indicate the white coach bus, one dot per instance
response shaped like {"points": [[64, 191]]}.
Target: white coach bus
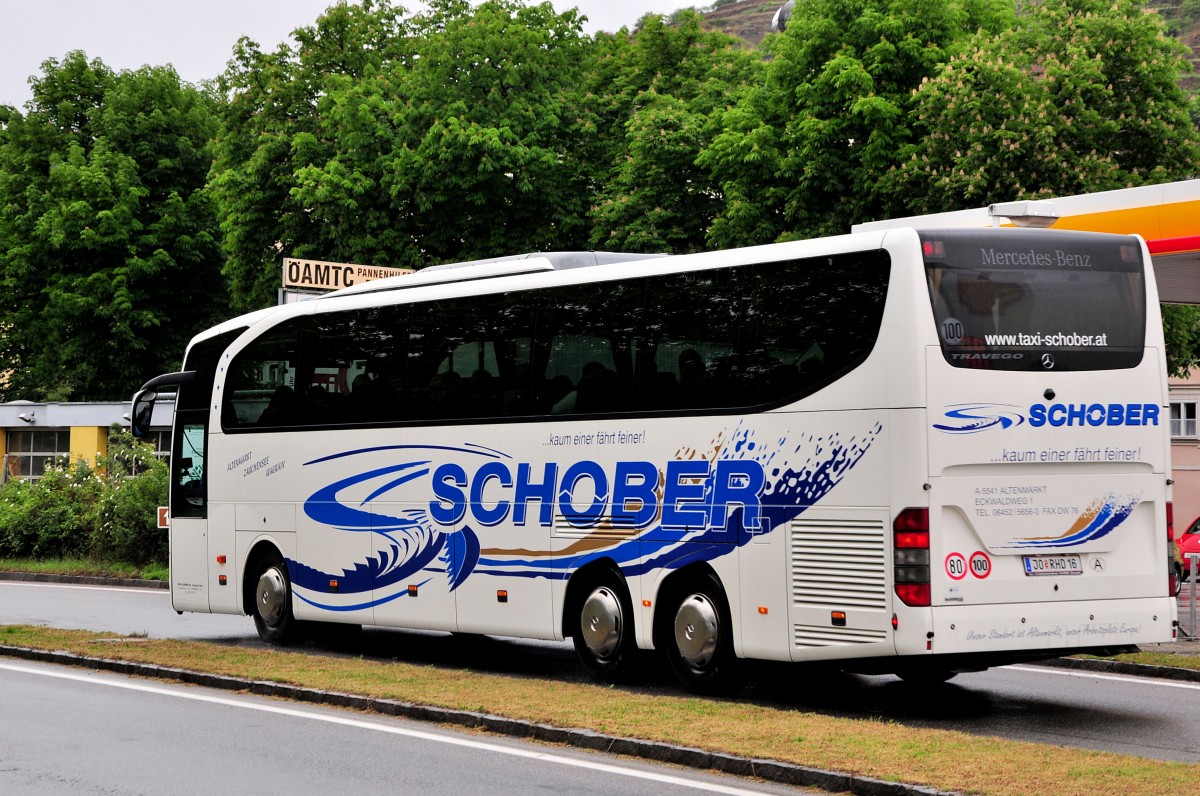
{"points": [[918, 452]]}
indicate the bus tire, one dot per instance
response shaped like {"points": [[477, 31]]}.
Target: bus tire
{"points": [[603, 637], [273, 602], [697, 638]]}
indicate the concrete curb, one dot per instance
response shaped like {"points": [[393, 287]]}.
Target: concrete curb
{"points": [[1120, 667], [769, 770], [84, 580]]}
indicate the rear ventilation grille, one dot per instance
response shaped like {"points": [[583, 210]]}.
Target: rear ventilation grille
{"points": [[810, 636], [838, 564]]}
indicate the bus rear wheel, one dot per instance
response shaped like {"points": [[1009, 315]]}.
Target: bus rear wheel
{"points": [[697, 638], [604, 636], [273, 603]]}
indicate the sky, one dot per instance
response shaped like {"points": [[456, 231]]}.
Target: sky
{"points": [[195, 36]]}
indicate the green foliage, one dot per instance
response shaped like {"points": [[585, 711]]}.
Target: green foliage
{"points": [[49, 517], [271, 129], [486, 134], [664, 91], [107, 239], [657, 199], [801, 155], [1181, 327], [1080, 96], [355, 148], [106, 514], [129, 200]]}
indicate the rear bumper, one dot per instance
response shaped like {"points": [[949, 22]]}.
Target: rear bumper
{"points": [[1049, 629]]}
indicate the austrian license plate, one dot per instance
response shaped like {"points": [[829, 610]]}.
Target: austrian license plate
{"points": [[1053, 565]]}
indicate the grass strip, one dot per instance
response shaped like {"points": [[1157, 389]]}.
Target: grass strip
{"points": [[84, 567], [1171, 659], [943, 759]]}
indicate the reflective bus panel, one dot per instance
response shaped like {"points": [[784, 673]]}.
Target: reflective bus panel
{"points": [[889, 451]]}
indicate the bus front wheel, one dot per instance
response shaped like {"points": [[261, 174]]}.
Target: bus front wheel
{"points": [[604, 638], [697, 638], [273, 603]]}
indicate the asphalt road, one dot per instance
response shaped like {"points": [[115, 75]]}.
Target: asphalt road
{"points": [[66, 730], [1141, 716]]}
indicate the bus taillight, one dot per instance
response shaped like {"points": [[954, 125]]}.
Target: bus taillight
{"points": [[911, 551]]}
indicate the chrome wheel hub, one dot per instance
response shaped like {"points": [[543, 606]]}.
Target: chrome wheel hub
{"points": [[697, 630], [601, 622], [271, 595]]}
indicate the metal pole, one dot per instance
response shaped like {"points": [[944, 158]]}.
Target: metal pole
{"points": [[1194, 562]]}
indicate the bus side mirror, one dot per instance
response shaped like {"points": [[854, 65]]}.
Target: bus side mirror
{"points": [[143, 408]]}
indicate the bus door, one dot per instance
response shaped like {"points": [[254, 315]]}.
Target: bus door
{"points": [[189, 510], [191, 578]]}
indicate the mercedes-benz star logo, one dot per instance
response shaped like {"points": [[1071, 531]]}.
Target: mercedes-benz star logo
{"points": [[1048, 361]]}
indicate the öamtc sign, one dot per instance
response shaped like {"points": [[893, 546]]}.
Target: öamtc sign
{"points": [[321, 275]]}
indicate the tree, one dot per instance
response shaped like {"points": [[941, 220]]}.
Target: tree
{"points": [[450, 135], [108, 251], [801, 154], [1079, 96], [659, 106], [272, 128], [657, 200], [1181, 328], [487, 131]]}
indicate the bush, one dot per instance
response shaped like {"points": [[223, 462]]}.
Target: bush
{"points": [[127, 528], [18, 526], [108, 513], [50, 517]]}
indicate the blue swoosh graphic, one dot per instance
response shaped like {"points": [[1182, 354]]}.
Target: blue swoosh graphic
{"points": [[972, 422], [799, 476]]}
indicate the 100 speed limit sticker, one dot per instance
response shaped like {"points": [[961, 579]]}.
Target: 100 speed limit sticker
{"points": [[979, 565]]}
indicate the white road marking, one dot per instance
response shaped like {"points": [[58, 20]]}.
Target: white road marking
{"points": [[385, 728], [1122, 678], [87, 587]]}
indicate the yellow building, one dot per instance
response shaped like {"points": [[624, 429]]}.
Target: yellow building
{"points": [[34, 434]]}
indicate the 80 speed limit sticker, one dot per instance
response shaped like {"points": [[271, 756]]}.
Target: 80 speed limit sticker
{"points": [[956, 566]]}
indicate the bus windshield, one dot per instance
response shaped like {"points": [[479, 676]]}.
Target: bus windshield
{"points": [[1071, 301]]}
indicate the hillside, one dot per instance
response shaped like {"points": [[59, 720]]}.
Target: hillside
{"points": [[750, 20]]}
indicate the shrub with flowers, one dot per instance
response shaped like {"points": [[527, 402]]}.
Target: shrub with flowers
{"points": [[106, 513]]}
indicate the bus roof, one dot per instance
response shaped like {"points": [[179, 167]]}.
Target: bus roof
{"points": [[511, 265]]}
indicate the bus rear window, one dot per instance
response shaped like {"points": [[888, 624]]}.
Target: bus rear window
{"points": [[1037, 299]]}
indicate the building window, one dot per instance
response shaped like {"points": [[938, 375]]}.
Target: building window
{"points": [[29, 452], [160, 438], [1183, 419]]}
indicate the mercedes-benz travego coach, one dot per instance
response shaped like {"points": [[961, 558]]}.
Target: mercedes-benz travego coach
{"points": [[919, 452]]}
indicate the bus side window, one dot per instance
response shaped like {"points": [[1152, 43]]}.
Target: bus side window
{"points": [[586, 335], [691, 324], [807, 322], [471, 357]]}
